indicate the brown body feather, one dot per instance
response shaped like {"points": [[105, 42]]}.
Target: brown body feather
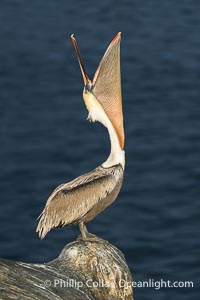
{"points": [[81, 199]]}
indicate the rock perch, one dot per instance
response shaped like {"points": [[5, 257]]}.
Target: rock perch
{"points": [[92, 269]]}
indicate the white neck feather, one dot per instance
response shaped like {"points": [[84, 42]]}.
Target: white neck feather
{"points": [[96, 113]]}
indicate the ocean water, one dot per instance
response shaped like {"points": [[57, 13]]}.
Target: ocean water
{"points": [[46, 140]]}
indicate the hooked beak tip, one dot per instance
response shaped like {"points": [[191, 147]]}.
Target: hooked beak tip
{"points": [[72, 37]]}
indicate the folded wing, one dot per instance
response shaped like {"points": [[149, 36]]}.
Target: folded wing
{"points": [[71, 201]]}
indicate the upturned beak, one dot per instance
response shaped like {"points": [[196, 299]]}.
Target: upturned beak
{"points": [[86, 79], [106, 84]]}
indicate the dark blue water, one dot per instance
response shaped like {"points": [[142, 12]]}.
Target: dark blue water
{"points": [[46, 141]]}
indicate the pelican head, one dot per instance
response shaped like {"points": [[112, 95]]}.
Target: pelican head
{"points": [[103, 98]]}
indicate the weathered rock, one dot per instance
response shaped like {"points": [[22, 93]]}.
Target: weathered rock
{"points": [[92, 269]]}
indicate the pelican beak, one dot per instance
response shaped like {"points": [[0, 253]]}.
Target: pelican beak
{"points": [[86, 79], [106, 86]]}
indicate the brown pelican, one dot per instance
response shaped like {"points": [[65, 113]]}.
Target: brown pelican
{"points": [[81, 199]]}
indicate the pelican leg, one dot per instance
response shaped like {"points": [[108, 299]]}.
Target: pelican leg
{"points": [[83, 230]]}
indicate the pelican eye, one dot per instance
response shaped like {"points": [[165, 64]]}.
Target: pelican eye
{"points": [[88, 86]]}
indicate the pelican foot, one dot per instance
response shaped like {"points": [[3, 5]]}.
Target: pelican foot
{"points": [[90, 238], [85, 235]]}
